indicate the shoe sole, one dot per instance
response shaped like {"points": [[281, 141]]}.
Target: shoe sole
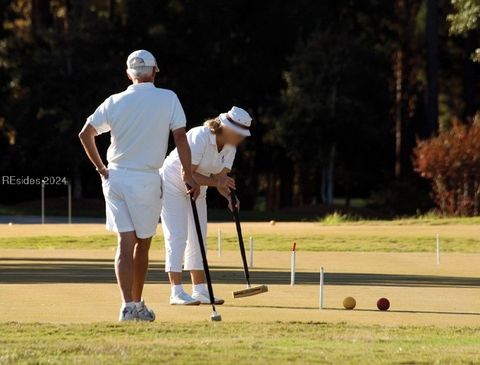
{"points": [[127, 320], [191, 303], [145, 320], [218, 302]]}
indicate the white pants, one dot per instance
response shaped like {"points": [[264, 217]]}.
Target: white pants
{"points": [[133, 201], [181, 240]]}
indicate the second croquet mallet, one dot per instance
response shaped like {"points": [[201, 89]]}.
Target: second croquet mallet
{"points": [[249, 291]]}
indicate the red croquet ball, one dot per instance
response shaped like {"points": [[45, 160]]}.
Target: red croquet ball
{"points": [[383, 304]]}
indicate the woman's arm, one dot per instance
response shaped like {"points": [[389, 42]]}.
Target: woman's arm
{"points": [[225, 191], [220, 180]]}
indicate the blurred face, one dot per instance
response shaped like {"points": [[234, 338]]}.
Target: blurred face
{"points": [[231, 137]]}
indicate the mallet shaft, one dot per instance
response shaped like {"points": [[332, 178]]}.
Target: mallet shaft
{"points": [[241, 245], [203, 252]]}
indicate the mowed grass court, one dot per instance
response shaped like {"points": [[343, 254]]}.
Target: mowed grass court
{"points": [[58, 284]]}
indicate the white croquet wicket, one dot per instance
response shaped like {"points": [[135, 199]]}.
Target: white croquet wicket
{"points": [[292, 264], [320, 299]]}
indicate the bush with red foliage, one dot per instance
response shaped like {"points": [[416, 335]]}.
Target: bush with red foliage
{"points": [[452, 161]]}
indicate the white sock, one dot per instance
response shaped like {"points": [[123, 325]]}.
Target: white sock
{"points": [[139, 304], [128, 304], [200, 288], [177, 289]]}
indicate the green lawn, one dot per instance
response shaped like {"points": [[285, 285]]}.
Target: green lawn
{"points": [[277, 242], [428, 220], [235, 343]]}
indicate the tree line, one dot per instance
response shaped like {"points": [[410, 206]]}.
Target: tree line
{"points": [[340, 91]]}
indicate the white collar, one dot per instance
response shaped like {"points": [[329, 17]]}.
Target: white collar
{"points": [[213, 140], [141, 85]]}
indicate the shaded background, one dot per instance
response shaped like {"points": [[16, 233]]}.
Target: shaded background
{"points": [[340, 91]]}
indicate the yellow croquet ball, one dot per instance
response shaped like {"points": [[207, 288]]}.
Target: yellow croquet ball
{"points": [[272, 222], [349, 303]]}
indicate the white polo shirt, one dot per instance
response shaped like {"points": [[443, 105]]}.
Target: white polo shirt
{"points": [[139, 120], [205, 154]]}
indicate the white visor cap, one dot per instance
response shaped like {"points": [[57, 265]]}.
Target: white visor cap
{"points": [[238, 120], [141, 58]]}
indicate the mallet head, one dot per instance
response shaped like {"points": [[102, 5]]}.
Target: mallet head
{"points": [[249, 291], [216, 317]]}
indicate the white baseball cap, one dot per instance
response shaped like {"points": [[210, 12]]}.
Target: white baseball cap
{"points": [[237, 119], [141, 58]]}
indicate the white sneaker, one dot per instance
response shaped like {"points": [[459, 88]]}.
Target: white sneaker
{"points": [[127, 314], [183, 299], [204, 298], [144, 313]]}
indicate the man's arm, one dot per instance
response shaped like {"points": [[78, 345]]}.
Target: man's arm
{"points": [[185, 155], [87, 137]]}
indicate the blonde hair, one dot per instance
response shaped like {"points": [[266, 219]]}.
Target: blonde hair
{"points": [[214, 125]]}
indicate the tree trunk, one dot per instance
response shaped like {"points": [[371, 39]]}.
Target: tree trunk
{"points": [[469, 79], [286, 182], [323, 185], [476, 199], [41, 16], [297, 189], [327, 178], [112, 10], [273, 191], [330, 180], [348, 198], [398, 74], [432, 68]]}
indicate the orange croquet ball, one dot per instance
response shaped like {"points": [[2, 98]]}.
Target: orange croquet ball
{"points": [[349, 303]]}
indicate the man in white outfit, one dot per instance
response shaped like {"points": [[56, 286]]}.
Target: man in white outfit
{"points": [[139, 120]]}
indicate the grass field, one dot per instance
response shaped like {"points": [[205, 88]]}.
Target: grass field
{"points": [[235, 343], [270, 242], [398, 236], [58, 284]]}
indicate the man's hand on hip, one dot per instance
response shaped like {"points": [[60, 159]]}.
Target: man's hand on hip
{"points": [[103, 171], [87, 137]]}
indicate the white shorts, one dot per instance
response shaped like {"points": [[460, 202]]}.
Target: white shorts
{"points": [[181, 240], [133, 201]]}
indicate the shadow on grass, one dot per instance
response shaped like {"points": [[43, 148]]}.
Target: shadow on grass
{"points": [[46, 259], [68, 270], [358, 310], [409, 311]]}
